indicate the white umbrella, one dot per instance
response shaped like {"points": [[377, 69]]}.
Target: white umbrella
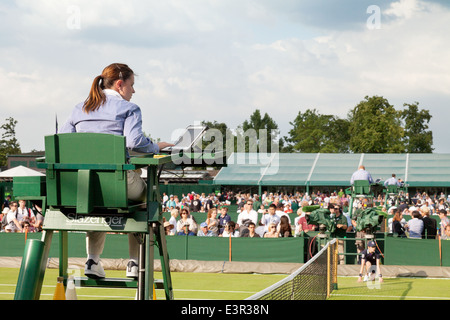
{"points": [[20, 171]]}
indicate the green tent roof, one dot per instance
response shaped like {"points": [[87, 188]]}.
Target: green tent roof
{"points": [[333, 169]]}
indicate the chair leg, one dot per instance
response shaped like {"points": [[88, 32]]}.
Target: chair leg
{"points": [[63, 253], [141, 267], [165, 265], [149, 274]]}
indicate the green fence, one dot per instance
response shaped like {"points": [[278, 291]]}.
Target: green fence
{"points": [[236, 249], [396, 251], [179, 247], [417, 252]]}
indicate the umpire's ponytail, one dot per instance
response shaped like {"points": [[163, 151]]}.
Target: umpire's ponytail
{"points": [[113, 72]]}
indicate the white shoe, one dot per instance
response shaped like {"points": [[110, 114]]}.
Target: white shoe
{"points": [[132, 269], [366, 278], [94, 269]]}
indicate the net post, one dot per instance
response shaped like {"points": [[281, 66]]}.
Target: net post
{"points": [[328, 271], [335, 265], [229, 248]]}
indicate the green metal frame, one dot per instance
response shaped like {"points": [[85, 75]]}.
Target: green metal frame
{"points": [[86, 185], [393, 190], [359, 189]]}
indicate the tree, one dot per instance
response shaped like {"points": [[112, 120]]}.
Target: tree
{"points": [[314, 132], [262, 134], [8, 143], [375, 127], [417, 139]]}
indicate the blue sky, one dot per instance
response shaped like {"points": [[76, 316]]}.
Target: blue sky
{"points": [[220, 60]]}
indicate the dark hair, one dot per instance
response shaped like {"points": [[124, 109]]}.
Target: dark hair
{"points": [[285, 227], [113, 72], [416, 214], [232, 225]]}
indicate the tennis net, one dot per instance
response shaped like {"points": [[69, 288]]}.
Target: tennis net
{"points": [[315, 280]]}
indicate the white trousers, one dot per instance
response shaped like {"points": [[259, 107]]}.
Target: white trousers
{"points": [[137, 191]]}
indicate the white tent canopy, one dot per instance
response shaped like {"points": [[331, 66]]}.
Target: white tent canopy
{"points": [[20, 171]]}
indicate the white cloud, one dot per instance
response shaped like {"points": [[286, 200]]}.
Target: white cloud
{"points": [[219, 60], [405, 9]]}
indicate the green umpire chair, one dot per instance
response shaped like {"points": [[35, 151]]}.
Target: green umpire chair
{"points": [[391, 191], [86, 190], [360, 189]]}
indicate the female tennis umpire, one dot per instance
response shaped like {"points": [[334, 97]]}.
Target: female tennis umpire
{"points": [[370, 258], [108, 109]]}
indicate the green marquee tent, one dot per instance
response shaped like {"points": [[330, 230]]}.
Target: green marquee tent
{"points": [[333, 169]]}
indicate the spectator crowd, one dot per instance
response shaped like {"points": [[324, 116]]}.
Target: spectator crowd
{"points": [[268, 215], [17, 217]]}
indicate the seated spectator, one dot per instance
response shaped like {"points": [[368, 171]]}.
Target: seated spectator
{"points": [[284, 228], [212, 222], [4, 216], [246, 216], [287, 208], [272, 233], [171, 204], [397, 225], [429, 224], [415, 226], [446, 235], [261, 210], [270, 217], [39, 221], [26, 212], [209, 203], [301, 223], [168, 227], [442, 205], [205, 231], [196, 204], [186, 225], [224, 218], [165, 198], [392, 211], [26, 225], [251, 231], [173, 221], [230, 230], [444, 221], [280, 211], [13, 219]]}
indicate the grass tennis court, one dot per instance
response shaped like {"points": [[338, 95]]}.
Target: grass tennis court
{"points": [[219, 286], [392, 289]]}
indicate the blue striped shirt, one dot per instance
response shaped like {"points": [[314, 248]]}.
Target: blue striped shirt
{"points": [[361, 175], [116, 116], [391, 182]]}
